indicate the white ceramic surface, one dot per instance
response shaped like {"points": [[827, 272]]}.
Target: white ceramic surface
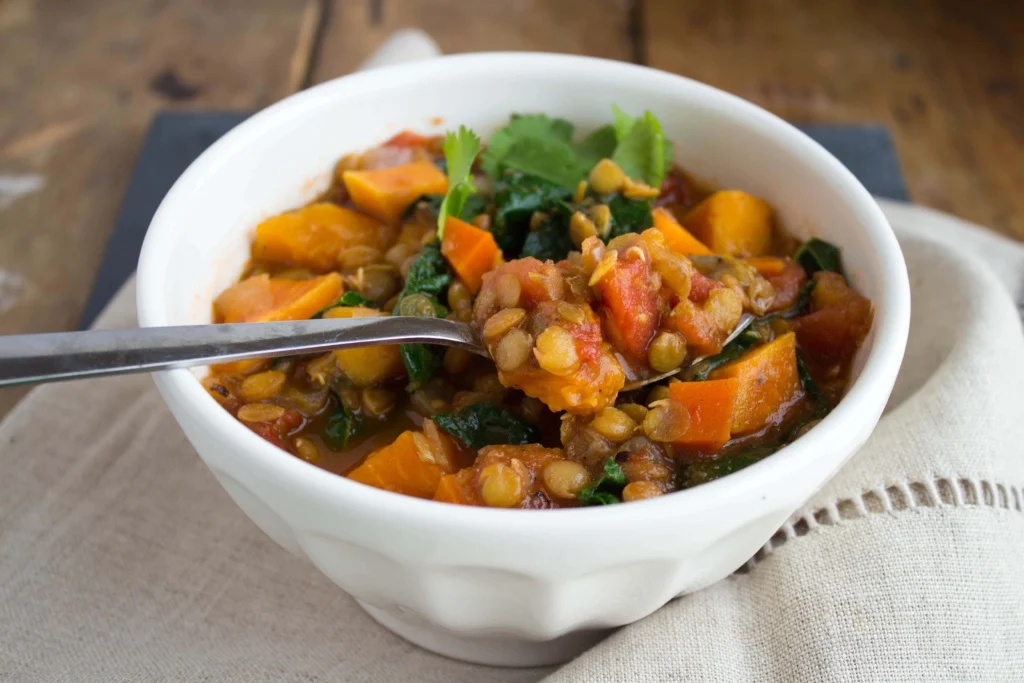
{"points": [[510, 587]]}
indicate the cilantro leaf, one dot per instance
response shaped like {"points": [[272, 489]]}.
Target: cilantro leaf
{"points": [[348, 299], [608, 489], [537, 145], [816, 254], [642, 152], [460, 149], [483, 424], [598, 145]]}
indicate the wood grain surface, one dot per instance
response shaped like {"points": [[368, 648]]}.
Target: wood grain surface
{"points": [[79, 82]]}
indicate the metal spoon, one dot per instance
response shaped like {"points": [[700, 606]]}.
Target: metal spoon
{"points": [[35, 358]]}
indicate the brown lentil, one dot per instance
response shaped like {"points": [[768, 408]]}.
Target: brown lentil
{"points": [[260, 412], [503, 321], [606, 177], [613, 424], [306, 449], [556, 351], [639, 490], [456, 361], [509, 290], [501, 486], [564, 478], [378, 402], [666, 352], [513, 350], [262, 385]]}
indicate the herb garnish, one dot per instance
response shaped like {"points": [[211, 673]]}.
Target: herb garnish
{"points": [[642, 150], [460, 149]]}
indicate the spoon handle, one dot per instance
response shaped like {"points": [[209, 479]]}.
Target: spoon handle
{"points": [[35, 358]]}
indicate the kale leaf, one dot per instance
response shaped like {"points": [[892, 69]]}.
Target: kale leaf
{"points": [[517, 196], [816, 254], [483, 424], [347, 299], [429, 275], [629, 215], [550, 241], [699, 371], [341, 426]]}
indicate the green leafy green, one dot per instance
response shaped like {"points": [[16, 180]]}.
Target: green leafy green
{"points": [[483, 424], [598, 145], [606, 490], [460, 149], [517, 196], [816, 254], [629, 215], [808, 384], [703, 471], [341, 426], [347, 299], [642, 150], [699, 372], [550, 241], [429, 275], [421, 362]]}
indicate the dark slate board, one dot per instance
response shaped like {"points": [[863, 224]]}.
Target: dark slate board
{"points": [[175, 139]]}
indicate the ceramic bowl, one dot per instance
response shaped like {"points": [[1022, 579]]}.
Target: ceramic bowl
{"points": [[511, 587]]}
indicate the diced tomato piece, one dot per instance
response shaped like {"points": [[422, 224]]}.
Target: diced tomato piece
{"points": [[839, 321], [630, 305], [787, 284], [701, 286]]}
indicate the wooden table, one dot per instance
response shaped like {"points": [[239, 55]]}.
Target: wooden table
{"points": [[80, 80]]}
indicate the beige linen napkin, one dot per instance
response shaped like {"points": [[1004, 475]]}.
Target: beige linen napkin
{"points": [[121, 559]]}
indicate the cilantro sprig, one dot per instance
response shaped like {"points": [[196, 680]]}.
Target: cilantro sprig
{"points": [[460, 150], [543, 147]]}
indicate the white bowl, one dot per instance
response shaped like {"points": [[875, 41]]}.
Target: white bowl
{"points": [[511, 587]]}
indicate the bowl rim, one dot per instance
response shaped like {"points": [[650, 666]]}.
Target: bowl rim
{"points": [[864, 398]]}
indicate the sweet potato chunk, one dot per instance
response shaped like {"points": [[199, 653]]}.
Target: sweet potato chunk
{"points": [[367, 365], [405, 466], [677, 238], [711, 406], [315, 236], [732, 222], [262, 298], [470, 251], [768, 383], [387, 192]]}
